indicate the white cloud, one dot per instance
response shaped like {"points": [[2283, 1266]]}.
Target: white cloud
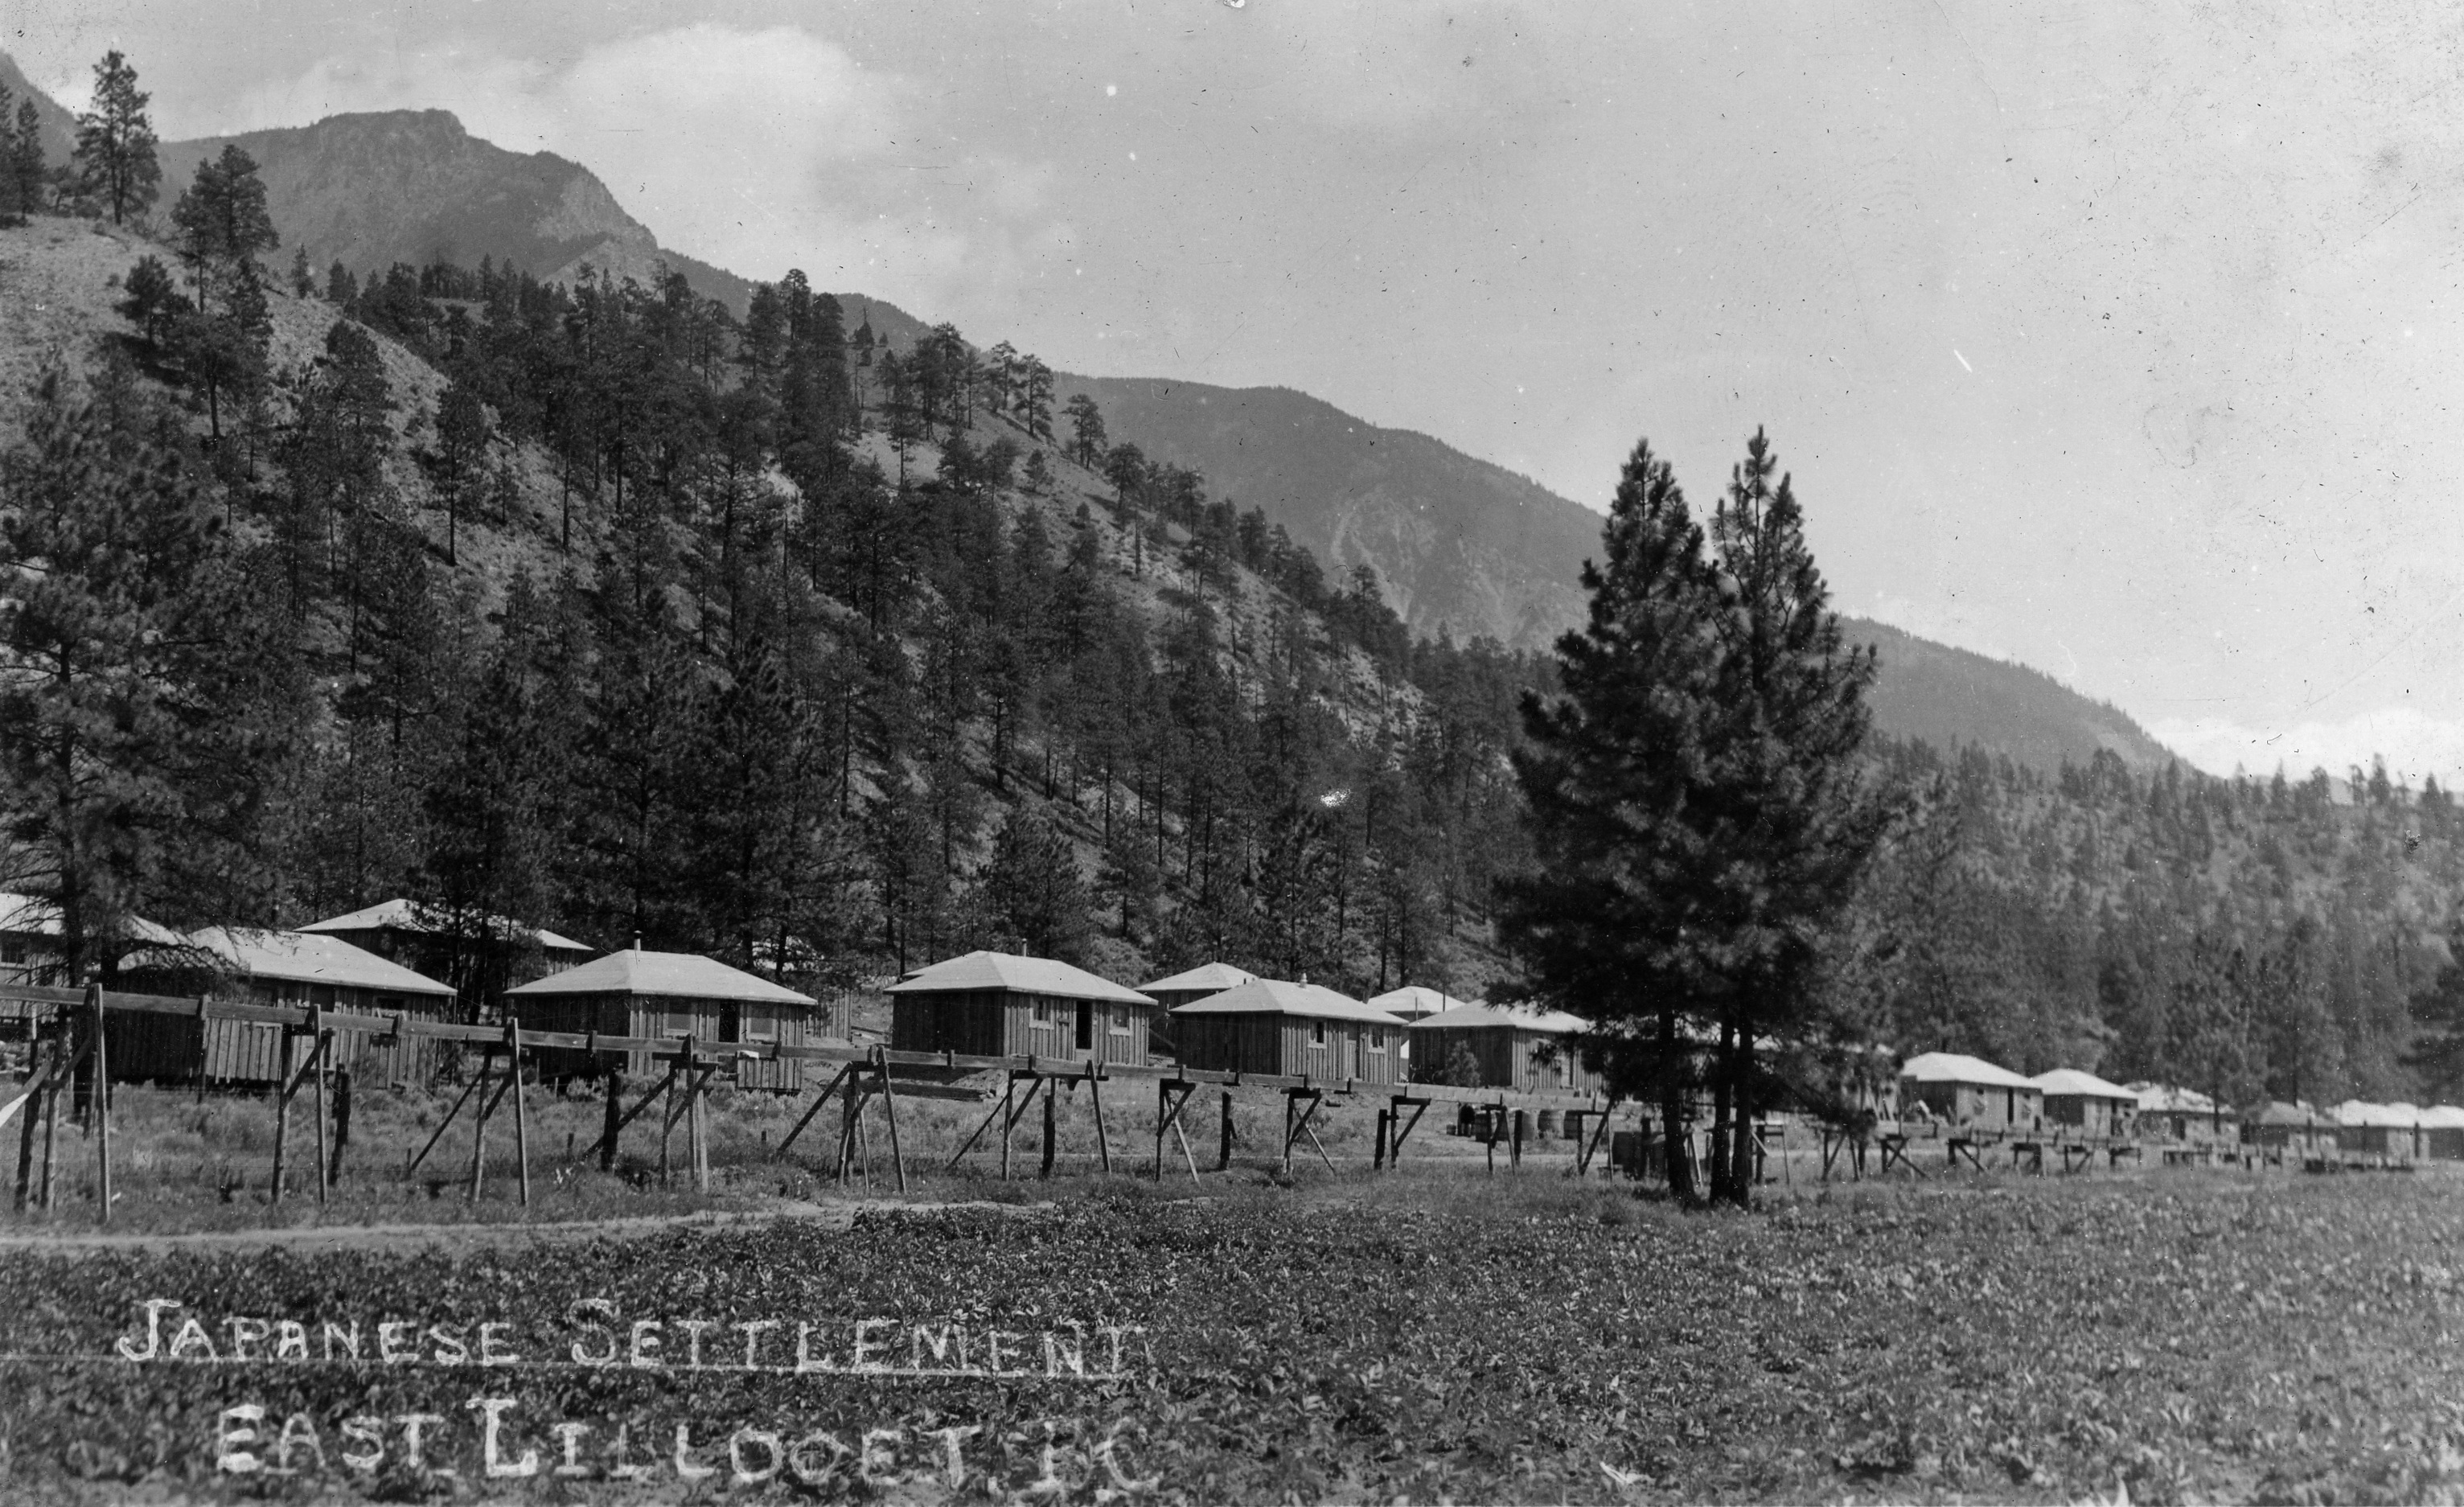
{"points": [[758, 149], [2413, 745]]}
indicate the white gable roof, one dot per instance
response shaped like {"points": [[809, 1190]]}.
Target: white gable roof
{"points": [[1471, 1016], [2072, 1083], [406, 915], [1275, 997], [1212, 978], [1412, 1002], [1020, 976], [681, 976], [33, 915], [304, 957], [1952, 1067]]}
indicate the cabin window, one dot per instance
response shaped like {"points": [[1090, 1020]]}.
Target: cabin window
{"points": [[1317, 1033], [390, 1004], [1120, 1021], [1377, 1038], [12, 952], [680, 1022], [760, 1025]]}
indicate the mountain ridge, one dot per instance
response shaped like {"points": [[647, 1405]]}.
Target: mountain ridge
{"points": [[1460, 546]]}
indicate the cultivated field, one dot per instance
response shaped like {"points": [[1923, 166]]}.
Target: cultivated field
{"points": [[1432, 1334]]}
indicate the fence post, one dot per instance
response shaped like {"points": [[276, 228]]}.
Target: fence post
{"points": [[319, 1040], [480, 1123], [607, 1134], [1223, 1154], [282, 1111], [1051, 1118], [1514, 1153], [521, 1118], [341, 1124], [102, 1099]]}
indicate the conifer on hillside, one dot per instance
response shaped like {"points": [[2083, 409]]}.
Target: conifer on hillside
{"points": [[115, 160]]}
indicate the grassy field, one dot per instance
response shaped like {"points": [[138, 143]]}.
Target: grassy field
{"points": [[179, 1163], [1431, 1335]]}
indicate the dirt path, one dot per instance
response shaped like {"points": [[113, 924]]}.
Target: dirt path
{"points": [[834, 1216]]}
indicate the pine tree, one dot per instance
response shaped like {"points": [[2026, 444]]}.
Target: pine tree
{"points": [[1085, 429], [114, 141], [221, 220], [1033, 890], [1788, 806], [25, 171], [153, 299], [109, 544], [1605, 923]]}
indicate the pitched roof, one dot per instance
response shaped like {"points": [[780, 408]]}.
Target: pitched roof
{"points": [[682, 976], [1471, 1016], [1412, 1002], [2276, 1112], [2163, 1098], [1213, 977], [2356, 1112], [1020, 976], [1952, 1067], [2442, 1117], [304, 957], [33, 914], [1276, 996], [410, 915], [2073, 1083]]}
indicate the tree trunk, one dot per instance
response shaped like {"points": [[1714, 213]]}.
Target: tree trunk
{"points": [[1723, 1125], [1672, 1112], [1741, 1075]]}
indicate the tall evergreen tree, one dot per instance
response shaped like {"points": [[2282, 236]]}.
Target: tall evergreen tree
{"points": [[24, 172], [1604, 922], [114, 141]]}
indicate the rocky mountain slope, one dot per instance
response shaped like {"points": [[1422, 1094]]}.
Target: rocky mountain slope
{"points": [[1460, 545]]}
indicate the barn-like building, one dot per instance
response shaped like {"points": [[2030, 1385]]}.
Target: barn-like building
{"points": [[1274, 1027], [1970, 1093], [1529, 1051], [2086, 1104], [274, 968], [999, 1004], [640, 992]]}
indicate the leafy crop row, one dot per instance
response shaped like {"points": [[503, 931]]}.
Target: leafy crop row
{"points": [[2281, 1339]]}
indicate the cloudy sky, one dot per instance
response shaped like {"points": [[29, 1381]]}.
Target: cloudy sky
{"points": [[2123, 340]]}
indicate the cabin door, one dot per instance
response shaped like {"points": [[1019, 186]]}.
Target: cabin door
{"points": [[1358, 1068], [1086, 1026]]}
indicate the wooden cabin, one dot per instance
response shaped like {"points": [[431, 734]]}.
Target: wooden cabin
{"points": [[2290, 1132], [2184, 1117], [998, 1004], [1970, 1093], [274, 968], [2389, 1135], [1527, 1051], [2442, 1133], [2085, 1104], [1187, 988], [481, 955], [29, 953], [1293, 1030], [1196, 984], [637, 992]]}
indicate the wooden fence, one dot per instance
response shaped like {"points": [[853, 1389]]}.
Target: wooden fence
{"points": [[73, 1058]]}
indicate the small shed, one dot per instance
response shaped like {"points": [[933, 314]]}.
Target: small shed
{"points": [[638, 992], [1271, 1026], [2385, 1132], [1529, 1051], [2083, 1102], [1196, 984], [1969, 1092], [29, 953], [2294, 1129], [1187, 988], [2184, 1117], [1414, 1002], [2442, 1133], [275, 967], [998, 1004], [443, 944]]}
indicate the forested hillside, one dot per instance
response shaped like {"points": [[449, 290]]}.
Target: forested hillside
{"points": [[828, 643]]}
